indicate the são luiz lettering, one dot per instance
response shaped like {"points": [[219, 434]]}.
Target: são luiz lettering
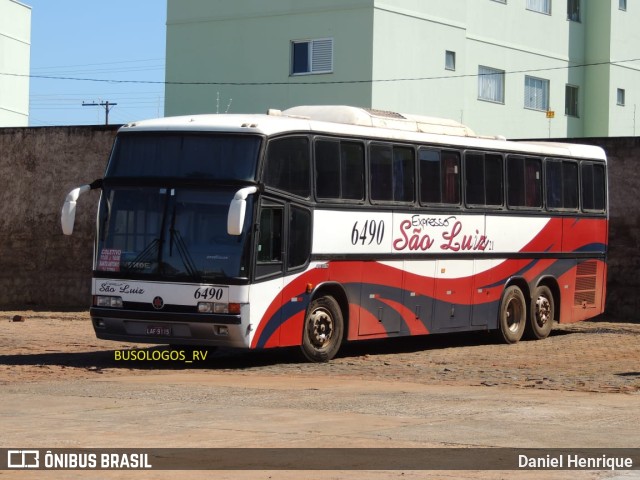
{"points": [[575, 462]]}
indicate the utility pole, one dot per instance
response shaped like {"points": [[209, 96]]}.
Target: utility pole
{"points": [[107, 107]]}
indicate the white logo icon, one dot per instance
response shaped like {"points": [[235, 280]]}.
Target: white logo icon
{"points": [[23, 459]]}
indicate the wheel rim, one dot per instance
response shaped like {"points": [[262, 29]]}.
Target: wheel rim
{"points": [[543, 311], [514, 315], [320, 327]]}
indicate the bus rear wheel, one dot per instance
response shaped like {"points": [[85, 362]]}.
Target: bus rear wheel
{"points": [[323, 330], [513, 315], [542, 314]]}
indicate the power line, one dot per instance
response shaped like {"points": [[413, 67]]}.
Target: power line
{"points": [[328, 82], [99, 64], [107, 108]]}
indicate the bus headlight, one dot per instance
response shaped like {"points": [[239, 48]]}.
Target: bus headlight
{"points": [[226, 308], [106, 301]]}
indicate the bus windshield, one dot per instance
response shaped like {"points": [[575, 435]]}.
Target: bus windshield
{"points": [[189, 156], [177, 233]]}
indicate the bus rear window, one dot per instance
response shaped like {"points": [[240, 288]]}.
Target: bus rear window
{"points": [[593, 187], [202, 156]]}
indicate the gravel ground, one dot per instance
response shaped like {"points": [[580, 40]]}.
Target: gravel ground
{"points": [[592, 356], [408, 387]]}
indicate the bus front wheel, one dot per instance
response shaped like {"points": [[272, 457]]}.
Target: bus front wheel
{"points": [[542, 314], [323, 330], [512, 315]]}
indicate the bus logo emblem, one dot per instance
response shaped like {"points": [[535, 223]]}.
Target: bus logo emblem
{"points": [[158, 303]]}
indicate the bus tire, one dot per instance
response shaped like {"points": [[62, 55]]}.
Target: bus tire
{"points": [[542, 314], [512, 315], [323, 330]]}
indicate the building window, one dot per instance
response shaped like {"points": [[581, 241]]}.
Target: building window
{"points": [[622, 5], [312, 56], [621, 95], [536, 93], [450, 60], [571, 101], [541, 6], [490, 84], [573, 10]]}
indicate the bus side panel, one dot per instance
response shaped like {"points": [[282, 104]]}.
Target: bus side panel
{"points": [[583, 287], [381, 296], [584, 235], [486, 294], [349, 276], [418, 286], [280, 324]]}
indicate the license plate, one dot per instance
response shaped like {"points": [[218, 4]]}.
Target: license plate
{"points": [[159, 331]]}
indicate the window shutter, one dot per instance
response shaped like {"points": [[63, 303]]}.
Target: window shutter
{"points": [[322, 55], [536, 91]]}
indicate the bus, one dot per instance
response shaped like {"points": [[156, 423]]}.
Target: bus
{"points": [[319, 225]]}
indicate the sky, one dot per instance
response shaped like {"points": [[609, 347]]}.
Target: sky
{"points": [[85, 41]]}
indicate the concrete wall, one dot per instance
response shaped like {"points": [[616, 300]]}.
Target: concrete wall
{"points": [[40, 267]]}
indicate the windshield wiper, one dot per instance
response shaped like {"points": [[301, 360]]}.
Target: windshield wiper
{"points": [[183, 251], [146, 256]]}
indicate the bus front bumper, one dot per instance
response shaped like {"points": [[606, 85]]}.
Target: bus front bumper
{"points": [[170, 328]]}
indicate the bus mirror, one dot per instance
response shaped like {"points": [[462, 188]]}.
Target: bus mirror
{"points": [[68, 217], [237, 210]]}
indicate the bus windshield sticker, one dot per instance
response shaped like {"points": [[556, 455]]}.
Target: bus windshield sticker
{"points": [[109, 260]]}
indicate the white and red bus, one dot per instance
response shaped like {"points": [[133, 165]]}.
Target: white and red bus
{"points": [[320, 225]]}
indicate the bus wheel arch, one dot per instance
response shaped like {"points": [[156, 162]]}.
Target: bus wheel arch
{"points": [[325, 324], [543, 309], [513, 312]]}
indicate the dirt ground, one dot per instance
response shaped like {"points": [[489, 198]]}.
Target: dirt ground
{"points": [[62, 387], [592, 356]]}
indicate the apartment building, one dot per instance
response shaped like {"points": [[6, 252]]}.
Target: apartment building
{"points": [[518, 68]]}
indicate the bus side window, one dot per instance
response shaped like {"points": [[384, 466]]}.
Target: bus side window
{"points": [[392, 173], [403, 174], [593, 192], [352, 170], [570, 184], [553, 174], [288, 166], [430, 175], [451, 177], [562, 184], [524, 182], [339, 170], [484, 183], [270, 241], [439, 176], [381, 159], [299, 237], [327, 169]]}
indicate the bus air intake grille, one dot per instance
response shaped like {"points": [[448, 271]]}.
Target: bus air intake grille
{"points": [[585, 294]]}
